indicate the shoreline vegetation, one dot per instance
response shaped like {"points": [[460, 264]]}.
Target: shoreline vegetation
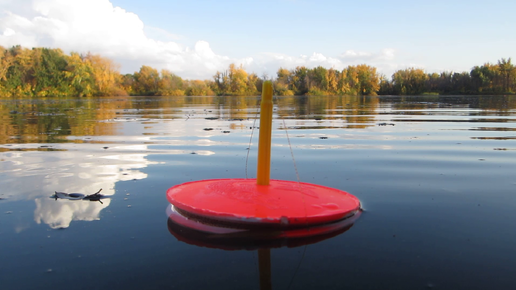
{"points": [[47, 72]]}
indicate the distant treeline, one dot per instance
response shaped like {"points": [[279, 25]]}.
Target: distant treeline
{"points": [[50, 72]]}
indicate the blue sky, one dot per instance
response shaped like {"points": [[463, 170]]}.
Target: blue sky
{"points": [[196, 38]]}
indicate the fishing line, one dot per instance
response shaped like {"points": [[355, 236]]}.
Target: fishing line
{"points": [[291, 151], [302, 196], [297, 176], [250, 142], [294, 161], [298, 265]]}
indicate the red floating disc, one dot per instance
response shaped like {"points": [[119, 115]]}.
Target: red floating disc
{"points": [[206, 235], [243, 203]]}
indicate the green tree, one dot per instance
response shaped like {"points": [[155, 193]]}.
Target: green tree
{"points": [[368, 80], [432, 83], [317, 81], [507, 70], [409, 81], [461, 83], [49, 69], [385, 86], [300, 80], [486, 78], [359, 80], [221, 81], [146, 81], [79, 76], [170, 84], [19, 76], [284, 83]]}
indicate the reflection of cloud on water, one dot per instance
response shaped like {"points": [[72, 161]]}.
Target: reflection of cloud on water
{"points": [[89, 163], [83, 168], [60, 213]]}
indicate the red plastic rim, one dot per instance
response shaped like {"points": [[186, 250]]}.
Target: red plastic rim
{"points": [[280, 204], [205, 235]]}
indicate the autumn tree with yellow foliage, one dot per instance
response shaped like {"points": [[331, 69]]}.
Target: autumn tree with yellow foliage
{"points": [[353, 80], [42, 72], [46, 72]]}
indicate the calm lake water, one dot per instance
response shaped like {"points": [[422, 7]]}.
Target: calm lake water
{"points": [[436, 177]]}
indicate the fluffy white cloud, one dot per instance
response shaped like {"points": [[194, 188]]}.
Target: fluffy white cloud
{"points": [[356, 54], [384, 55], [270, 62], [99, 27]]}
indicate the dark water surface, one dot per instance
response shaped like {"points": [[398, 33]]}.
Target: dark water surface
{"points": [[436, 177]]}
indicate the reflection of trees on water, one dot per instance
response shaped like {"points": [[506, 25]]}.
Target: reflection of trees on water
{"points": [[357, 110], [501, 105], [36, 175], [51, 120]]}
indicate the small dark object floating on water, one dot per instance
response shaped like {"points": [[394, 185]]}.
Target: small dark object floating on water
{"points": [[79, 196], [386, 124]]}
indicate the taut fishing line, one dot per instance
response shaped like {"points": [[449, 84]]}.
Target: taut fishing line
{"points": [[297, 269], [302, 196], [250, 142], [291, 151], [297, 176]]}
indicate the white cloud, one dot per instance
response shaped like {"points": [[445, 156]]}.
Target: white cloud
{"points": [[9, 32], [271, 62], [160, 34], [99, 27], [387, 54], [356, 54]]}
